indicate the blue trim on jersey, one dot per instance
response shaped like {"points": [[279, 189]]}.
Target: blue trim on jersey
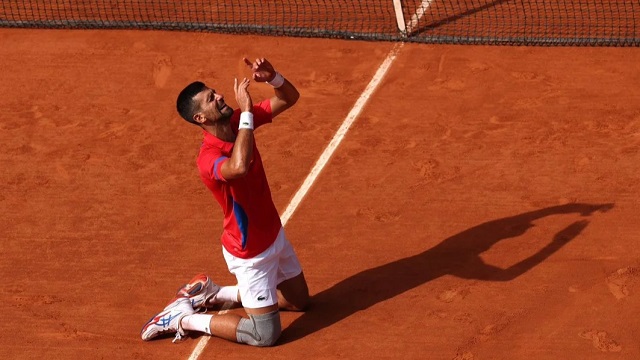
{"points": [[215, 166], [243, 222]]}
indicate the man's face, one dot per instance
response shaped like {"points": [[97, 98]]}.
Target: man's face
{"points": [[212, 106]]}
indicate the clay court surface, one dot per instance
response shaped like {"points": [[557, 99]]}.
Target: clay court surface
{"points": [[484, 205]]}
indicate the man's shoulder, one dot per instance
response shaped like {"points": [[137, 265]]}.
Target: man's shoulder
{"points": [[207, 152]]}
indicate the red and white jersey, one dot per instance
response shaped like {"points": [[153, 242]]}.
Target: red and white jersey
{"points": [[251, 221]]}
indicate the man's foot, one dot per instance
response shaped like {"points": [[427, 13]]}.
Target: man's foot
{"points": [[168, 320], [200, 290]]}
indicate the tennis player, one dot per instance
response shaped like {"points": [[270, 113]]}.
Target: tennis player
{"points": [[254, 245]]}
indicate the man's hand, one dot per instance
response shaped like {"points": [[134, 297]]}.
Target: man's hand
{"points": [[261, 70], [286, 95], [242, 95]]}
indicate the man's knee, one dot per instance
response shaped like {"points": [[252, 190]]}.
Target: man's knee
{"points": [[260, 330]]}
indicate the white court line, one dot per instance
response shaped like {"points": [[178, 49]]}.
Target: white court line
{"points": [[205, 339], [342, 131], [322, 161], [422, 9]]}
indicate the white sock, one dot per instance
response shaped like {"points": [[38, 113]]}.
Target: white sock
{"points": [[197, 322], [226, 294]]}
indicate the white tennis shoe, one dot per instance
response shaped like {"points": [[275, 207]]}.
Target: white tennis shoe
{"points": [[200, 290], [168, 320]]}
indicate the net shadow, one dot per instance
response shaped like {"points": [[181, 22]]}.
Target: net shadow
{"points": [[445, 16]]}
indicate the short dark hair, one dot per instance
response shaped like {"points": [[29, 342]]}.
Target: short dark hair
{"points": [[186, 104]]}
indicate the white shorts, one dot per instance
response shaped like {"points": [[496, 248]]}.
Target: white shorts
{"points": [[259, 276]]}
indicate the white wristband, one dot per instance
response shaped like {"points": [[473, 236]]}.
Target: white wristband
{"points": [[277, 81], [246, 120]]}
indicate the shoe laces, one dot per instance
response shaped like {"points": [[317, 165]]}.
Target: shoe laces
{"points": [[178, 338]]}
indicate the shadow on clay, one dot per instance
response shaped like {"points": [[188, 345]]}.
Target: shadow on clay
{"points": [[458, 255]]}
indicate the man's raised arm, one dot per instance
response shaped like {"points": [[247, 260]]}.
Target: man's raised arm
{"points": [[286, 95]]}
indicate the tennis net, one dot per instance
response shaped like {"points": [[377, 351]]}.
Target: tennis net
{"points": [[509, 22]]}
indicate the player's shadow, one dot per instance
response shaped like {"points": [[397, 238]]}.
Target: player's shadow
{"points": [[458, 255]]}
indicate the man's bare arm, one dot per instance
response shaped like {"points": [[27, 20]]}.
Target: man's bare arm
{"points": [[238, 164], [286, 94]]}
